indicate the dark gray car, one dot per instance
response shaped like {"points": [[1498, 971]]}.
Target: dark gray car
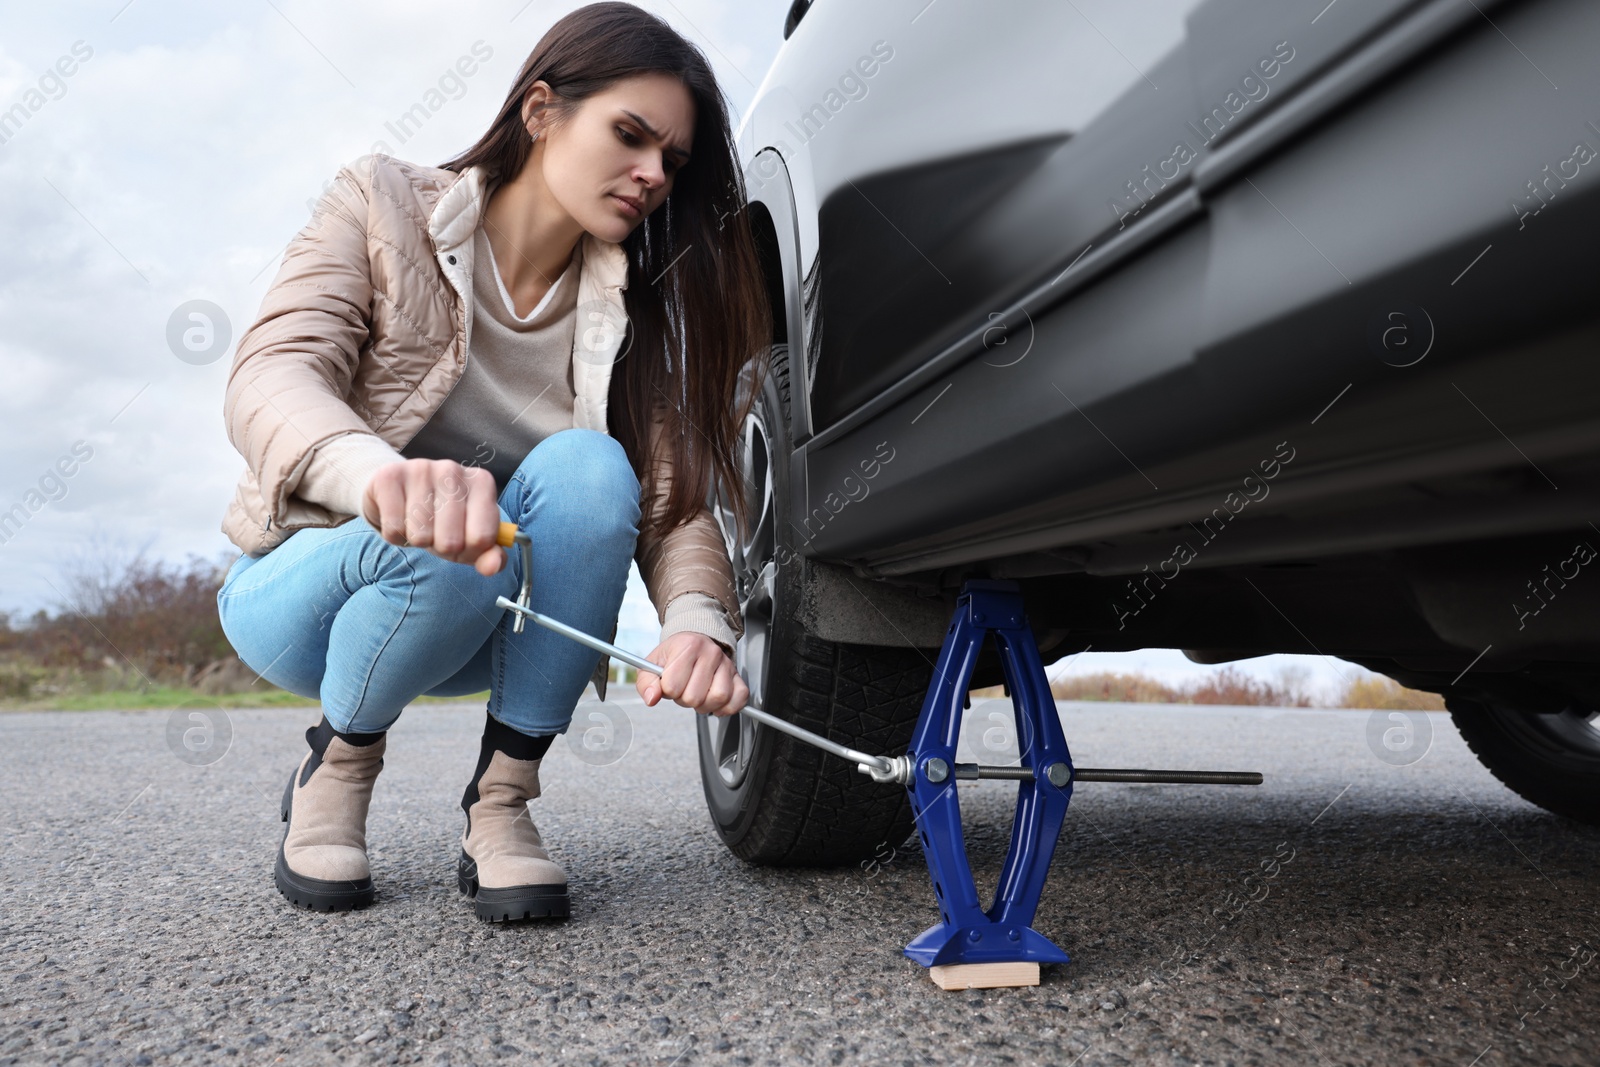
{"points": [[1236, 326]]}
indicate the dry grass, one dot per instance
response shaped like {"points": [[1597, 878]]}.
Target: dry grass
{"points": [[1231, 686], [1387, 694]]}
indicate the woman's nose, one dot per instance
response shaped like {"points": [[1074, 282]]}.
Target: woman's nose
{"points": [[652, 172]]}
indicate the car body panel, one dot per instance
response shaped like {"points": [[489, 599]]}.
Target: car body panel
{"points": [[1067, 384]]}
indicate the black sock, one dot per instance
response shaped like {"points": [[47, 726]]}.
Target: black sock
{"points": [[498, 737], [319, 735]]}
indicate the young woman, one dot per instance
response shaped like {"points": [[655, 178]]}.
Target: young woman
{"points": [[550, 330]]}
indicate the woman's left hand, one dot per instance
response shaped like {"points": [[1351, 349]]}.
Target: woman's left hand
{"points": [[699, 675]]}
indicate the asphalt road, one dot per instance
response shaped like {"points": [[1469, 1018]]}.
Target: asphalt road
{"points": [[1414, 913]]}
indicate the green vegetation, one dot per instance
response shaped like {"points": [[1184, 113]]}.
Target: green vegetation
{"points": [[161, 697], [180, 696]]}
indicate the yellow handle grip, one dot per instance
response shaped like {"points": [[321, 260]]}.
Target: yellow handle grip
{"points": [[507, 535]]}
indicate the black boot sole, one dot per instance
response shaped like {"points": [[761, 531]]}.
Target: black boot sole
{"points": [[315, 894], [510, 902]]}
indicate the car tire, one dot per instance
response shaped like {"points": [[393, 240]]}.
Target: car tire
{"points": [[774, 800], [1550, 759]]}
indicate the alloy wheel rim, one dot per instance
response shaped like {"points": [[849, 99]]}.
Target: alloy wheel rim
{"points": [[752, 548]]}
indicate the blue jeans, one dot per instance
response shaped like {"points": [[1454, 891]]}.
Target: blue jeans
{"points": [[341, 615]]}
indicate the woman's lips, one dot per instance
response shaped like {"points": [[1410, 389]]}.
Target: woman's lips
{"points": [[628, 207]]}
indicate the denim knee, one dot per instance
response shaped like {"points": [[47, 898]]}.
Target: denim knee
{"points": [[479, 592], [456, 589], [584, 475]]}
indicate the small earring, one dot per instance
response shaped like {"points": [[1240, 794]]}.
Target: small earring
{"points": [[536, 135]]}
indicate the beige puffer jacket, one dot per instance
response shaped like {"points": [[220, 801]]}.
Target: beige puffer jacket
{"points": [[365, 329]]}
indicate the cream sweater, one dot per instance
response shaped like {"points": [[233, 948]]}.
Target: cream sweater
{"points": [[515, 391]]}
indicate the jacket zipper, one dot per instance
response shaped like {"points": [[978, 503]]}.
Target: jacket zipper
{"points": [[465, 334]]}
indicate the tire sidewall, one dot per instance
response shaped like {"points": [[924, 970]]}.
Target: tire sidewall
{"points": [[1528, 760]]}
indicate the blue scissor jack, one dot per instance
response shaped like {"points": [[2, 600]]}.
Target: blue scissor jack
{"points": [[971, 946], [969, 934]]}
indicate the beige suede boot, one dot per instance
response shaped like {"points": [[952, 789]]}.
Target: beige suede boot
{"points": [[322, 862], [504, 868]]}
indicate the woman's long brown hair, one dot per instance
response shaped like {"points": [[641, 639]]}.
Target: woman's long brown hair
{"points": [[693, 327]]}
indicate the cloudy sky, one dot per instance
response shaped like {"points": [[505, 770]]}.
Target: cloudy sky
{"points": [[165, 152], [173, 164]]}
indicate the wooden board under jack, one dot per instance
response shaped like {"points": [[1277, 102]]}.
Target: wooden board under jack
{"points": [[985, 975]]}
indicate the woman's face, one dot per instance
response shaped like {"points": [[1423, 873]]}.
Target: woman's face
{"points": [[627, 141]]}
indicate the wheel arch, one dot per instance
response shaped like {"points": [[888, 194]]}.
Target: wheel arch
{"points": [[771, 204], [837, 604]]}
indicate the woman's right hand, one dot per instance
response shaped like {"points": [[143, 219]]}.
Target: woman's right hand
{"points": [[437, 504]]}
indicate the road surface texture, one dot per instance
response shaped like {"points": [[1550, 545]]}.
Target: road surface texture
{"points": [[1356, 909]]}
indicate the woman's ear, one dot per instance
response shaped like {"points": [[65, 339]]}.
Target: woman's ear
{"points": [[536, 100]]}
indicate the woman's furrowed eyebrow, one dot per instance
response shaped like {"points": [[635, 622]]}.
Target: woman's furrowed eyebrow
{"points": [[682, 155]]}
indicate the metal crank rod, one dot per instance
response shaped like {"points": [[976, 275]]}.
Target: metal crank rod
{"points": [[967, 771], [881, 768]]}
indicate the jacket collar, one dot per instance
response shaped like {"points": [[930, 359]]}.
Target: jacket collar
{"points": [[602, 317]]}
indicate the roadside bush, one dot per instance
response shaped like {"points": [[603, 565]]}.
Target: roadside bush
{"points": [[1386, 694], [1110, 685], [1232, 686], [125, 625], [20, 681]]}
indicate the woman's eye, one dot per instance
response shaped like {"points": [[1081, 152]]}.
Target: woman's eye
{"points": [[630, 140]]}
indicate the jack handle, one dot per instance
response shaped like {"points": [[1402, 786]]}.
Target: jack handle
{"points": [[507, 536], [881, 768]]}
